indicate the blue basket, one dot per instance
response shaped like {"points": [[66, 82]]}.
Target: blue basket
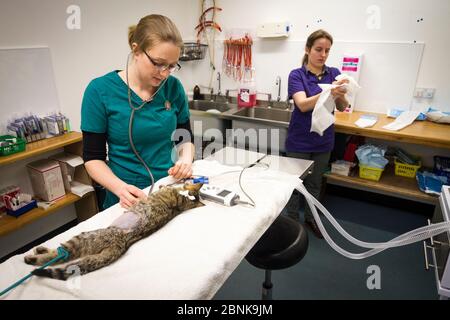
{"points": [[442, 166], [431, 183], [24, 209]]}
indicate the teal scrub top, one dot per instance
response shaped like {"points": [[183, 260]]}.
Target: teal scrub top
{"points": [[105, 109]]}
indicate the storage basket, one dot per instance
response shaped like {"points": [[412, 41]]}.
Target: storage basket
{"points": [[193, 51], [10, 148], [431, 183], [17, 213], [406, 170], [370, 173]]}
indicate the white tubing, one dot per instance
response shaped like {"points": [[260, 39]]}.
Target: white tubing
{"points": [[412, 236]]}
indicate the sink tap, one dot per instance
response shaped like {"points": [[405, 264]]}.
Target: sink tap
{"points": [[219, 92], [278, 83]]}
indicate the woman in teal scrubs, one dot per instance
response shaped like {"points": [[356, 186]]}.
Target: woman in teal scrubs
{"points": [[160, 105]]}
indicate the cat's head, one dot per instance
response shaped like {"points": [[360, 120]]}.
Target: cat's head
{"points": [[188, 195]]}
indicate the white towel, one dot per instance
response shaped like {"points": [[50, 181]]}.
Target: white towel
{"points": [[189, 258], [402, 121], [322, 116]]}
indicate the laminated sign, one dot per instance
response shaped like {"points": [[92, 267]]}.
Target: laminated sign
{"points": [[351, 65]]}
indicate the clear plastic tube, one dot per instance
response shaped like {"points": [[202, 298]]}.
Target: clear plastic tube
{"points": [[412, 236]]}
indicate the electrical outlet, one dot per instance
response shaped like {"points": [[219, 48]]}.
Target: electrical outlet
{"points": [[418, 92], [424, 93], [429, 93]]}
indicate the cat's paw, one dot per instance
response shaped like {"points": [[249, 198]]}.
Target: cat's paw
{"points": [[41, 250], [31, 259]]}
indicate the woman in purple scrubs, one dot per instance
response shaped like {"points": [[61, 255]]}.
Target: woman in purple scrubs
{"points": [[303, 88]]}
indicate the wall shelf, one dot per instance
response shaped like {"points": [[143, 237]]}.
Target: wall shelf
{"points": [[9, 224], [85, 206], [42, 146]]}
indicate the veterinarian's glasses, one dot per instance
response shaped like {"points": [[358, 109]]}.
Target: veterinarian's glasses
{"points": [[163, 67]]}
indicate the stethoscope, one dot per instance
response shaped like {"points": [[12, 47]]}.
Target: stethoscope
{"points": [[130, 124]]}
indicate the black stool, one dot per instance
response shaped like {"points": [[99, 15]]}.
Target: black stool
{"points": [[283, 245]]}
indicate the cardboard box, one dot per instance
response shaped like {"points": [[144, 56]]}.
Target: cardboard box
{"points": [[46, 179], [76, 179]]}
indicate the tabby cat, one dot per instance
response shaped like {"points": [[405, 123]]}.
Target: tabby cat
{"points": [[93, 250]]}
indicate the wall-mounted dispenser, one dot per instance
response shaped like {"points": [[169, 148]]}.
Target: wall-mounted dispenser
{"points": [[274, 30]]}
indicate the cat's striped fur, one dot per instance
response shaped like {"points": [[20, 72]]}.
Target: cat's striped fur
{"points": [[93, 250]]}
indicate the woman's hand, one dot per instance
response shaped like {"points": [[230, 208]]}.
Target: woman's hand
{"points": [[181, 169], [129, 195], [339, 92]]}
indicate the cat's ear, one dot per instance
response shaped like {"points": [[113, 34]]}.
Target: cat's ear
{"points": [[192, 186]]}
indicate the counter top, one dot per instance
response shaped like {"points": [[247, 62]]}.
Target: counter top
{"points": [[419, 132]]}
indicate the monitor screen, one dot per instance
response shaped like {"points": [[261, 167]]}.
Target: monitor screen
{"points": [[223, 193]]}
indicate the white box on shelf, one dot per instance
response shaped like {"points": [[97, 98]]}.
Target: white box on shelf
{"points": [[46, 179], [341, 167], [76, 179]]}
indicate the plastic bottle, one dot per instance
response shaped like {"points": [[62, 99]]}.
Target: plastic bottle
{"points": [[196, 95], [247, 93]]}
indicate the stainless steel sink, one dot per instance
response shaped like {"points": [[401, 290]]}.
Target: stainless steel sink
{"points": [[209, 106], [265, 114]]}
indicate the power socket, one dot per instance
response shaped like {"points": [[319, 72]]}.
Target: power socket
{"points": [[424, 93], [418, 93], [429, 93]]}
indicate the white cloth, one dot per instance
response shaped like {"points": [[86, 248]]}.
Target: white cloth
{"points": [[189, 258], [322, 116], [402, 121], [366, 120], [438, 116]]}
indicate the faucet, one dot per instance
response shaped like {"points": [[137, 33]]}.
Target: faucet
{"points": [[219, 92], [278, 83], [227, 93]]}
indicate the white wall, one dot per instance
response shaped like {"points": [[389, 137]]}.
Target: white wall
{"points": [[347, 21], [101, 44]]}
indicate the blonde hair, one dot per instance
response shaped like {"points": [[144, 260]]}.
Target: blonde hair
{"points": [[154, 29], [316, 35]]}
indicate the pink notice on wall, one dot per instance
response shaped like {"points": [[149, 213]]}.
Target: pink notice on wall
{"points": [[351, 65]]}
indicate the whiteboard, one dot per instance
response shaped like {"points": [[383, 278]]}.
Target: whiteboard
{"points": [[388, 76], [389, 73], [27, 83]]}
